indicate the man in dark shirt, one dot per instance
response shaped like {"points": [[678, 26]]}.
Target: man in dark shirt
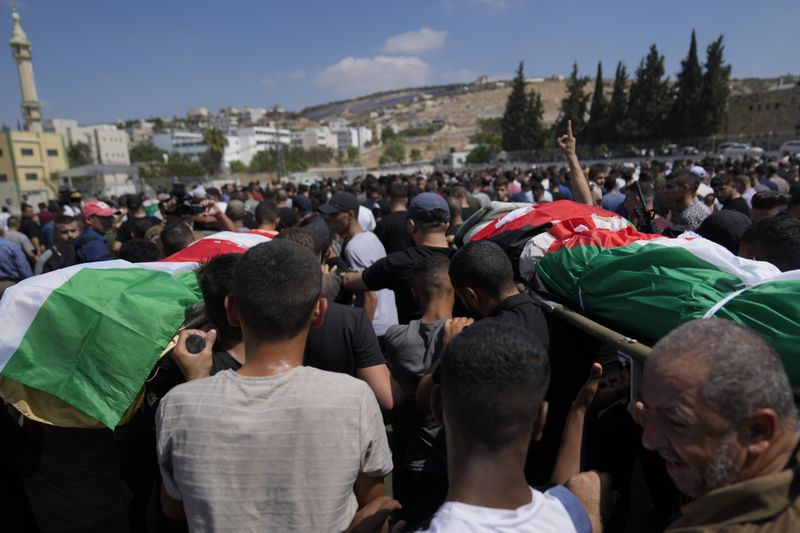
{"points": [[29, 226], [727, 190], [427, 219], [483, 278], [136, 212], [391, 230]]}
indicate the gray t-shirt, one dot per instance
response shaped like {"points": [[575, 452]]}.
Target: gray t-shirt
{"points": [[411, 350], [21, 239], [277, 453], [361, 252]]}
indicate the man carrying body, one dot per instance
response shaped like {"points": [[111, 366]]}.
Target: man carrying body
{"points": [[493, 378], [427, 220], [718, 407], [726, 189], [311, 444]]}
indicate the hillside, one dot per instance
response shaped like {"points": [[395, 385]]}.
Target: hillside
{"points": [[458, 108]]}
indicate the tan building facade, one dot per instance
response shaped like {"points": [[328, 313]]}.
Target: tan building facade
{"points": [[29, 161], [776, 111]]}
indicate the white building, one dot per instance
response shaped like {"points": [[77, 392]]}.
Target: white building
{"points": [[186, 143], [197, 113], [314, 138], [108, 144], [244, 143], [350, 136]]}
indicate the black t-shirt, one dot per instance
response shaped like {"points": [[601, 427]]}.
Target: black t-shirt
{"points": [[739, 204], [467, 212], [522, 311], [168, 375], [29, 227], [344, 343], [125, 230], [378, 207], [396, 272], [393, 234]]}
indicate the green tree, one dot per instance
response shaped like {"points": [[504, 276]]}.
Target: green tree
{"points": [[415, 155], [181, 166], [596, 127], [573, 106], [387, 134], [79, 154], [534, 134], [352, 154], [618, 125], [395, 152], [513, 121], [479, 154], [216, 142], [146, 152], [237, 166], [341, 159], [158, 125], [319, 155], [716, 90], [687, 105], [649, 100]]}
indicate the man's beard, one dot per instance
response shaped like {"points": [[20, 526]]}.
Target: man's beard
{"points": [[722, 469]]}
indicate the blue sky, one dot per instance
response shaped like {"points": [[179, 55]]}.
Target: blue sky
{"points": [[103, 60]]}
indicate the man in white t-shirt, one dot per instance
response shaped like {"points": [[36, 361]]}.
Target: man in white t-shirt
{"points": [[273, 446], [492, 381], [361, 250]]}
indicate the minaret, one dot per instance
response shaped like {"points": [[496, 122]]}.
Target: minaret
{"points": [[21, 50]]}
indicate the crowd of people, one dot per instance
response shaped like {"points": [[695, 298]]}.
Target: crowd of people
{"points": [[361, 345]]}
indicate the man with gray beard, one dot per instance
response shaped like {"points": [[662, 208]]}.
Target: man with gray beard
{"points": [[718, 407]]}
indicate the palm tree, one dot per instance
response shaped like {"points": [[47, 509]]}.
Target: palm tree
{"points": [[216, 142]]}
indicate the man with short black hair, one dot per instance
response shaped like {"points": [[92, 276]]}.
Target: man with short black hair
{"points": [[361, 249], [391, 229], [29, 226], [62, 254], [14, 235], [490, 399], [175, 237], [293, 447], [427, 220], [726, 189], [767, 204], [483, 279], [775, 240], [686, 211], [140, 251], [718, 407], [136, 213], [267, 219]]}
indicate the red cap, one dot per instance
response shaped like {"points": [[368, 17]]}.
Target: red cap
{"points": [[97, 208]]}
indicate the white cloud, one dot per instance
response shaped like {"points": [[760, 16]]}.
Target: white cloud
{"points": [[414, 42], [298, 74], [267, 82], [499, 4], [363, 75]]}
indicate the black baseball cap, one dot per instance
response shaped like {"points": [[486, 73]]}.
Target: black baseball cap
{"points": [[428, 207], [302, 203], [341, 201]]}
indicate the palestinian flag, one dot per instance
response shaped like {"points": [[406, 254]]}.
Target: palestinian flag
{"points": [[78, 344], [647, 285]]}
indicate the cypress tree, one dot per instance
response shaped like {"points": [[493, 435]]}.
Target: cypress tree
{"points": [[573, 106], [687, 106], [617, 123], [534, 134], [649, 101], [716, 90], [595, 129], [513, 123]]}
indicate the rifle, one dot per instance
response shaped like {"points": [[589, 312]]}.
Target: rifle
{"points": [[645, 220]]}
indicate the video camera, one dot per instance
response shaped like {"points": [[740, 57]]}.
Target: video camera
{"points": [[183, 203]]}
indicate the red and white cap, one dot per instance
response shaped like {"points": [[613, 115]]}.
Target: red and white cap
{"points": [[97, 208]]}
